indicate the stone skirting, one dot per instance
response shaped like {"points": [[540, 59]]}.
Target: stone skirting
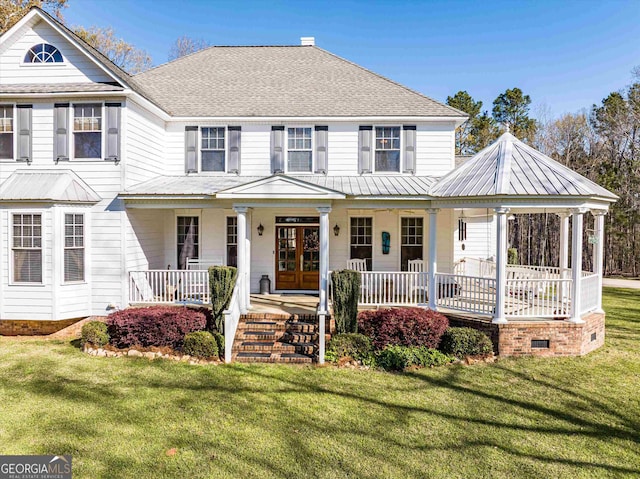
{"points": [[27, 327], [528, 338]]}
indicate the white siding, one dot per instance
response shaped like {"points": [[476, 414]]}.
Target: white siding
{"points": [[144, 145], [481, 235], [146, 239], [435, 147], [77, 67], [342, 149]]}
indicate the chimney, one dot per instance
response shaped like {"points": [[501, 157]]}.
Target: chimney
{"points": [[307, 41]]}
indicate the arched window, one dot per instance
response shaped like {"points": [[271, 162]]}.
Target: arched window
{"points": [[43, 53]]}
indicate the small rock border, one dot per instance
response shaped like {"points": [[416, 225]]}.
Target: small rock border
{"points": [[151, 355]]}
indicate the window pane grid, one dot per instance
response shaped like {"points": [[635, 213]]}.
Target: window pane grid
{"points": [[299, 151], [387, 154], [87, 118], [412, 234], [6, 119], [361, 239], [73, 247], [43, 53], [212, 151], [232, 241], [188, 239], [27, 248]]}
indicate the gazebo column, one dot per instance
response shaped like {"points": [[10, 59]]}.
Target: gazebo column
{"points": [[241, 212], [432, 287], [323, 307], [598, 253], [577, 219], [501, 264], [564, 251]]}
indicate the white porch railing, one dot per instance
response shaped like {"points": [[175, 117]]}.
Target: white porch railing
{"points": [[538, 298], [169, 286], [589, 292], [472, 294], [399, 288], [231, 320]]}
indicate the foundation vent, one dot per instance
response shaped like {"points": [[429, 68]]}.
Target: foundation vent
{"points": [[539, 344], [593, 336]]}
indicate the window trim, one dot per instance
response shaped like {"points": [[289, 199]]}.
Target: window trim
{"points": [[425, 236], [72, 132], [226, 150], [84, 246], [22, 63], [14, 141], [185, 213], [401, 151], [313, 150], [43, 245], [226, 239], [373, 237]]}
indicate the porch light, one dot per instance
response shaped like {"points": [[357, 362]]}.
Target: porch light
{"points": [[336, 230], [511, 217], [260, 229]]}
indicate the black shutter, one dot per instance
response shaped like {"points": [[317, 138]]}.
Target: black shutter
{"points": [[235, 133], [113, 131], [191, 149], [24, 132], [365, 148], [322, 141], [409, 133], [277, 149]]}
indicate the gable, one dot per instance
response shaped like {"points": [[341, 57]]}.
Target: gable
{"points": [[280, 187], [77, 67]]}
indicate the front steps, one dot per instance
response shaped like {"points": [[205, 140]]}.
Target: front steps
{"points": [[276, 338]]}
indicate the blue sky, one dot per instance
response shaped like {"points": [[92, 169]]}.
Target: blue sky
{"points": [[566, 55]]}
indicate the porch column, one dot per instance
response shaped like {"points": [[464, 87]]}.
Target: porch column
{"points": [[241, 211], [598, 252], [324, 278], [564, 251], [501, 264], [432, 267], [247, 262], [577, 218]]}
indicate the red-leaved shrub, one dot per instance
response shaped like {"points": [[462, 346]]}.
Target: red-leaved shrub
{"points": [[154, 326], [403, 326]]}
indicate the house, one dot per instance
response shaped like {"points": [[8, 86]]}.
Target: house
{"points": [[285, 161]]}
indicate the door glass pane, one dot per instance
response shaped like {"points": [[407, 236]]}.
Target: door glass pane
{"points": [[311, 245]]}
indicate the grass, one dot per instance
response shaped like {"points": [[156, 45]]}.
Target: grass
{"points": [[539, 418]]}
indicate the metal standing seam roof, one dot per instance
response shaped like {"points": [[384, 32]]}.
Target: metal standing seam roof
{"points": [[509, 167], [280, 81], [47, 185], [348, 185]]}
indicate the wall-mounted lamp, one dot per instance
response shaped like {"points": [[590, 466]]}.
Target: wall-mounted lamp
{"points": [[511, 217], [260, 229], [336, 230]]}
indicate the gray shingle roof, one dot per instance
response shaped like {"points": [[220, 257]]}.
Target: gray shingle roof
{"points": [[349, 185], [293, 81], [510, 167], [59, 88], [47, 185]]}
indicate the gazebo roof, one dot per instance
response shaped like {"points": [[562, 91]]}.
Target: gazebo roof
{"points": [[510, 167]]}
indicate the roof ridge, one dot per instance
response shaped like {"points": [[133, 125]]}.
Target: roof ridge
{"points": [[410, 90]]}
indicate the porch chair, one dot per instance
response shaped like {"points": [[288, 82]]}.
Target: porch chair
{"points": [[418, 288], [359, 265]]}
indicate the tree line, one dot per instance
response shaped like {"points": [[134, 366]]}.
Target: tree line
{"points": [[601, 143]]}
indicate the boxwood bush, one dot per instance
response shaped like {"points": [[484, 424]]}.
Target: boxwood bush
{"points": [[95, 332], [346, 293], [220, 343], [398, 358], [154, 326], [200, 344], [353, 345], [403, 327], [461, 342]]}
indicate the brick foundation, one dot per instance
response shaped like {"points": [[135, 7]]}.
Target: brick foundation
{"points": [[515, 337], [27, 327]]}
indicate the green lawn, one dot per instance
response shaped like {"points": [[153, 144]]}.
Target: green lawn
{"points": [[539, 418]]}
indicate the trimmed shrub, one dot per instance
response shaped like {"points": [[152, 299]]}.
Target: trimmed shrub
{"points": [[154, 326], [461, 342], [95, 332], [221, 282], [220, 343], [346, 292], [403, 326], [200, 344], [353, 345], [398, 358]]}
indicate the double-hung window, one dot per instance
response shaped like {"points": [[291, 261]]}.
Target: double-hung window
{"points": [[188, 239], [232, 241], [87, 131], [6, 132], [27, 248], [299, 150], [361, 239], [387, 148], [73, 247], [212, 152], [412, 234]]}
